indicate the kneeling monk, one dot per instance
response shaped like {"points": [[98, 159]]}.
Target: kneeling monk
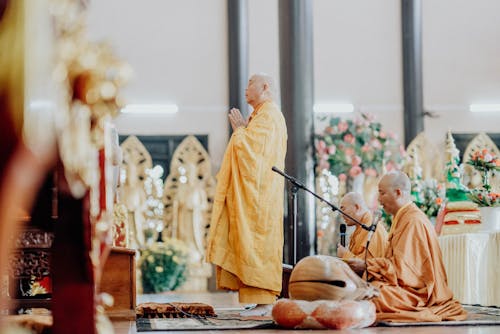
{"points": [[411, 277], [246, 233], [354, 205]]}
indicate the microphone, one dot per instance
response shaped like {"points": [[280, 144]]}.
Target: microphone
{"points": [[373, 227], [342, 234]]}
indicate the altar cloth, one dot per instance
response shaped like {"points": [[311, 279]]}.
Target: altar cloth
{"points": [[472, 266]]}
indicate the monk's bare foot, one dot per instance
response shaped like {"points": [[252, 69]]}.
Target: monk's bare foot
{"points": [[261, 310]]}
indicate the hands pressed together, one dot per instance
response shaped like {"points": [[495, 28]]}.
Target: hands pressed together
{"points": [[236, 119]]}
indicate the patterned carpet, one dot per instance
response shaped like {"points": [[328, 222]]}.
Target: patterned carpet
{"points": [[478, 315]]}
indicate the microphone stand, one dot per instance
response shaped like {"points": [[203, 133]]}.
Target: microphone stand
{"points": [[292, 199], [297, 185]]}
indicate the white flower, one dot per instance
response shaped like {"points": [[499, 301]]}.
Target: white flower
{"points": [[159, 269]]}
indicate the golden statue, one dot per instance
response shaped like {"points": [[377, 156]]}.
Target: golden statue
{"points": [[188, 199]]}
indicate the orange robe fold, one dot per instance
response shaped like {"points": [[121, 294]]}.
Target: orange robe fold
{"points": [[246, 233], [411, 277], [357, 244]]}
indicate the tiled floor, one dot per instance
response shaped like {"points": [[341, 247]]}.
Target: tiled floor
{"points": [[230, 300]]}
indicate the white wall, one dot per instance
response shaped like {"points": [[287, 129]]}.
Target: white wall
{"points": [[461, 64], [357, 57], [178, 50]]}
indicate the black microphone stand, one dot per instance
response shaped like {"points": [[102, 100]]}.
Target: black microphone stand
{"points": [[292, 200]]}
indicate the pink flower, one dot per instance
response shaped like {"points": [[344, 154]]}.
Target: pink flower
{"points": [[329, 129], [355, 171], [365, 148], [370, 172], [348, 138], [323, 164], [382, 134], [349, 151], [402, 150], [332, 149], [343, 126], [356, 160], [376, 143], [342, 177], [320, 146], [390, 166]]}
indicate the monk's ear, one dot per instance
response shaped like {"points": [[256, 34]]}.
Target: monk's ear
{"points": [[265, 87]]}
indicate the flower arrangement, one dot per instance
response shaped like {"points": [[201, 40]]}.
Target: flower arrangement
{"points": [[163, 265], [485, 162], [432, 196], [350, 147]]}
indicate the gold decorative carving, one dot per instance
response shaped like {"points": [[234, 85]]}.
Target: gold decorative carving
{"points": [[427, 152]]}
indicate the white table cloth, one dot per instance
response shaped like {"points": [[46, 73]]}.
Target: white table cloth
{"points": [[473, 267]]}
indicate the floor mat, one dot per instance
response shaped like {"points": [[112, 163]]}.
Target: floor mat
{"points": [[221, 322], [478, 316]]}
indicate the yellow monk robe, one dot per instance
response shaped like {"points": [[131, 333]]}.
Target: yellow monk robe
{"points": [[412, 278], [357, 244], [246, 233]]}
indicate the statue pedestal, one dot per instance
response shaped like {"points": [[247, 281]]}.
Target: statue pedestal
{"points": [[197, 278], [490, 218]]}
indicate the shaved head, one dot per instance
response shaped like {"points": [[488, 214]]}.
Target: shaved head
{"points": [[394, 191], [354, 205], [354, 198], [397, 180], [267, 80]]}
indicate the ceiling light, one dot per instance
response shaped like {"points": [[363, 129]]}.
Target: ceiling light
{"points": [[145, 109], [484, 108], [331, 108]]}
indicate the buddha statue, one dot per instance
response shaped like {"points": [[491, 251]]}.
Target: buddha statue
{"points": [[188, 198]]}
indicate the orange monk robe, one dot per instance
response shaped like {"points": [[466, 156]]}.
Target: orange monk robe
{"points": [[412, 278], [246, 233], [357, 244]]}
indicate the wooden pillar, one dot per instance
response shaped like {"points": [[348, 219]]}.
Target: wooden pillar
{"points": [[237, 24], [411, 16], [296, 78]]}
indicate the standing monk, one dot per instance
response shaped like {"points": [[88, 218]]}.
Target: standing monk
{"points": [[354, 205], [411, 277], [246, 233]]}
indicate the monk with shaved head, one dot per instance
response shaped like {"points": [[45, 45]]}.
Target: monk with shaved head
{"points": [[411, 276], [246, 233], [354, 205]]}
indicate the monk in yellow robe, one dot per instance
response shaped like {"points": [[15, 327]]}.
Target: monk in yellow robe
{"points": [[245, 241], [354, 205], [411, 276]]}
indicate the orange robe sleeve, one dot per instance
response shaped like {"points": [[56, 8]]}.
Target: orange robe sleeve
{"points": [[357, 244], [412, 278], [246, 232]]}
